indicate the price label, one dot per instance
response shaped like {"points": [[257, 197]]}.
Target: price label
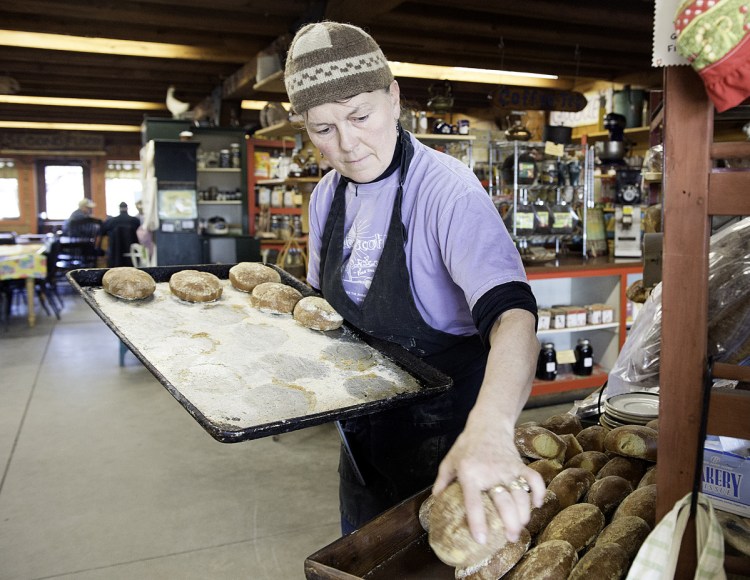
{"points": [[566, 357]]}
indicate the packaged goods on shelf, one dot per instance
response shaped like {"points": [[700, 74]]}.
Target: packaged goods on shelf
{"points": [[558, 317], [544, 319], [726, 474]]}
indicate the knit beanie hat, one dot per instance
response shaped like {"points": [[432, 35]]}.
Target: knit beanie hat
{"points": [[329, 61]]}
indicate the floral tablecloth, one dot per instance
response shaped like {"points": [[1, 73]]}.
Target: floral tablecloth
{"points": [[20, 261]]}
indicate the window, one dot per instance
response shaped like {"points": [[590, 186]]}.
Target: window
{"points": [[10, 207], [61, 185], [122, 182]]}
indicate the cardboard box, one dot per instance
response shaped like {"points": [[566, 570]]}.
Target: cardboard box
{"points": [[558, 317], [726, 474], [544, 319]]}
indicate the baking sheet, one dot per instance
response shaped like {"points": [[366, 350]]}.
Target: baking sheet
{"points": [[243, 373]]}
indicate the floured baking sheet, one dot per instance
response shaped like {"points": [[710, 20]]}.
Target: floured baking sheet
{"points": [[244, 373]]}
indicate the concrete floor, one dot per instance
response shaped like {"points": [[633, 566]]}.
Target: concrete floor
{"points": [[106, 476]]}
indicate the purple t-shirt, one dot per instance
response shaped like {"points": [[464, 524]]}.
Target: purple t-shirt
{"points": [[457, 246]]}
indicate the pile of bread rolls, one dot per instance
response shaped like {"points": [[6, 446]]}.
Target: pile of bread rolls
{"points": [[599, 507]]}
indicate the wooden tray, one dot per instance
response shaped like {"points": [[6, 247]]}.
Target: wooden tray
{"points": [[393, 546]]}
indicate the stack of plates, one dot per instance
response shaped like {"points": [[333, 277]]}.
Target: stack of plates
{"points": [[630, 409]]}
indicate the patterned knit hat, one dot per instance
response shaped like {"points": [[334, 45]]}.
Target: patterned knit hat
{"points": [[329, 61]]}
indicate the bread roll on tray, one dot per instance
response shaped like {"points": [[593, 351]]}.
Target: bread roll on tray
{"points": [[605, 562], [593, 461], [578, 524], [626, 467], [641, 503], [635, 441], [592, 438], [499, 563], [571, 484], [607, 493], [551, 560], [539, 443], [562, 424], [628, 532]]}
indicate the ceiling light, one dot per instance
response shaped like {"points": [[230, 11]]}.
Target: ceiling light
{"points": [[91, 103], [475, 75], [70, 126], [116, 46], [250, 105]]}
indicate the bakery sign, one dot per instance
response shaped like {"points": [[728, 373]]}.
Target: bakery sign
{"points": [[537, 99]]}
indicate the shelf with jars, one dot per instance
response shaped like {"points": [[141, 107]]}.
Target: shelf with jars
{"points": [[543, 194], [581, 300]]}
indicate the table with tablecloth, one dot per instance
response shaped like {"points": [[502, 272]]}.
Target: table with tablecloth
{"points": [[24, 262]]}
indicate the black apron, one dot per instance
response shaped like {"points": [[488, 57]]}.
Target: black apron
{"points": [[398, 451]]}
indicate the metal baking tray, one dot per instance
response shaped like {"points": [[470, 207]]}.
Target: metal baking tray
{"points": [[392, 545], [244, 413]]}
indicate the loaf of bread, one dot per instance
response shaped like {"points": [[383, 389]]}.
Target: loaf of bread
{"points": [[593, 461], [562, 424], [626, 467], [449, 534], [314, 312], [275, 298], [632, 441], [424, 512], [607, 493], [592, 438], [195, 286], [570, 485], [578, 524], [500, 562], [128, 283], [653, 424], [628, 532], [539, 443], [547, 468], [641, 503], [736, 531], [605, 562], [572, 447], [551, 560], [648, 478], [541, 516], [247, 275]]}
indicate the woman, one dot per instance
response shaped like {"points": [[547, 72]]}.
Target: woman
{"points": [[408, 247]]}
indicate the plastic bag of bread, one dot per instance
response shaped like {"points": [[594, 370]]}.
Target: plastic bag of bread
{"points": [[637, 365]]}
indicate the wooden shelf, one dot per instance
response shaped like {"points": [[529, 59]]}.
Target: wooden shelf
{"points": [[613, 325], [287, 181], [283, 130], [442, 137], [596, 135], [570, 382], [281, 210], [271, 84]]}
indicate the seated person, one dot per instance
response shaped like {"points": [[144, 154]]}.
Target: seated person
{"points": [[121, 230], [85, 207]]}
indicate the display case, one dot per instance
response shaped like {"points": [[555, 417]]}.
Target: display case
{"points": [[543, 194]]}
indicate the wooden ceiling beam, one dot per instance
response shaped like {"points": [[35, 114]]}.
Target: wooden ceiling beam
{"points": [[633, 15]]}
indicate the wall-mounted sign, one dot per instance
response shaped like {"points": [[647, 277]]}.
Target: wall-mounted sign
{"points": [[53, 141], [537, 99]]}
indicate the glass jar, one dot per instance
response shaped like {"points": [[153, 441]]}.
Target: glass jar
{"points": [[584, 364], [546, 365], [234, 152]]}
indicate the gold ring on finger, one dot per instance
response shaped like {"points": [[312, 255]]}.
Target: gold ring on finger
{"points": [[499, 488], [520, 483]]}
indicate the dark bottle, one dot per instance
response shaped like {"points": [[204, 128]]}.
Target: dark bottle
{"points": [[584, 358], [546, 364]]}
